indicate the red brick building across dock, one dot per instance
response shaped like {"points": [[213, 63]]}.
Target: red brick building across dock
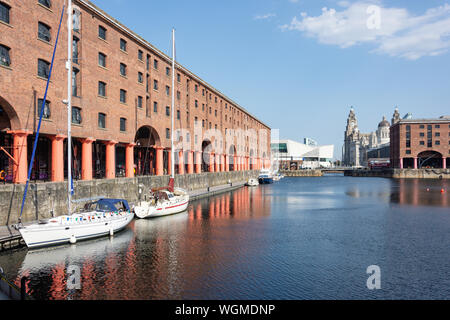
{"points": [[121, 98], [420, 143]]}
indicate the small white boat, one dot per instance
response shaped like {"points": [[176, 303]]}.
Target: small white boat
{"points": [[102, 217], [162, 203], [252, 182], [265, 176]]}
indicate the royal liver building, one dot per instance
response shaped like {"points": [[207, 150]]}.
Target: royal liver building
{"points": [[357, 144]]}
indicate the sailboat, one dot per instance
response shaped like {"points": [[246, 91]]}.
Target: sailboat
{"points": [[98, 218], [166, 200]]}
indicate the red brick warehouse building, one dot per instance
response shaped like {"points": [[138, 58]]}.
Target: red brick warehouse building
{"points": [[121, 98], [420, 143]]}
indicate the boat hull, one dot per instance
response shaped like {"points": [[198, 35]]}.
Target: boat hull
{"points": [[145, 210], [265, 180], [48, 234]]}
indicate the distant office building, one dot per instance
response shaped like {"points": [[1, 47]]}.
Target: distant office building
{"points": [[420, 143], [357, 144], [293, 155]]}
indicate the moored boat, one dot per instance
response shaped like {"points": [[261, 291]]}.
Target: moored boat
{"points": [[252, 182], [100, 218], [163, 203], [265, 176]]}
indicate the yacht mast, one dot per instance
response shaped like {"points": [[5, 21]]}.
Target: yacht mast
{"points": [[69, 106], [172, 169]]}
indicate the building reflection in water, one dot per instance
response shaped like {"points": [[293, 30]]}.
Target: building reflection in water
{"points": [[151, 259], [421, 192]]}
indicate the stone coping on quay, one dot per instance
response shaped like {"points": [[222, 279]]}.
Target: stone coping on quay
{"points": [[425, 173]]}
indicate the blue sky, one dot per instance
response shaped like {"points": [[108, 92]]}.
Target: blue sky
{"points": [[298, 66]]}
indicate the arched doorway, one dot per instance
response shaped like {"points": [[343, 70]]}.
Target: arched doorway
{"points": [[206, 154], [8, 121], [146, 140], [429, 159], [231, 155]]}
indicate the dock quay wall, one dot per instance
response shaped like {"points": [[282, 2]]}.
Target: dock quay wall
{"points": [[45, 199], [301, 173], [401, 173]]}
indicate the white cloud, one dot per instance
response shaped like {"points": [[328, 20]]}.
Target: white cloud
{"points": [[400, 33], [265, 16]]}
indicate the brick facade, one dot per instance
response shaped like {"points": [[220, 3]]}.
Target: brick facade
{"points": [[240, 138], [420, 143]]}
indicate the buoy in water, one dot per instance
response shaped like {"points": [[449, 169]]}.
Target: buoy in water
{"points": [[442, 190], [73, 239]]}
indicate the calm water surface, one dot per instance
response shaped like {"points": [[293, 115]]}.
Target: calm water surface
{"points": [[300, 238]]}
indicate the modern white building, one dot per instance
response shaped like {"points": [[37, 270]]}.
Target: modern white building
{"points": [[293, 155]]}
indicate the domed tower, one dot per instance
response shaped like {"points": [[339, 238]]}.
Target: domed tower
{"points": [[383, 131]]}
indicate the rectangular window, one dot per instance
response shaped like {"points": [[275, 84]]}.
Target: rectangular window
{"points": [[167, 90], [422, 134], [408, 151], [123, 45], [4, 56], [102, 60], [76, 115], [123, 96], [437, 142], [196, 103], [140, 77], [46, 112], [178, 77], [139, 102], [75, 43], [422, 143], [44, 32], [167, 133], [123, 69], [178, 95], [148, 62], [429, 144], [123, 124], [75, 91], [102, 89], [102, 32], [437, 134], [422, 126], [102, 120], [155, 84], [408, 144], [167, 111], [196, 88], [437, 126], [178, 114], [408, 128], [155, 107], [140, 55], [155, 64], [45, 3], [168, 71], [76, 18], [4, 12]]}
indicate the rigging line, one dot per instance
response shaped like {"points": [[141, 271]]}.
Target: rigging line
{"points": [[30, 168]]}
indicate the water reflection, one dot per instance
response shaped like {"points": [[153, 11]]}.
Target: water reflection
{"points": [[151, 259], [420, 192]]}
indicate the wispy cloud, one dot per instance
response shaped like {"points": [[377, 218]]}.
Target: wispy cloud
{"points": [[266, 16], [399, 33]]}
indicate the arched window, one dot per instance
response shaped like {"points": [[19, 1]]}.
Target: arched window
{"points": [[4, 56]]}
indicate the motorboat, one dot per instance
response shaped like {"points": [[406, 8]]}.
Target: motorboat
{"points": [[252, 182], [162, 203], [98, 218], [265, 176]]}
